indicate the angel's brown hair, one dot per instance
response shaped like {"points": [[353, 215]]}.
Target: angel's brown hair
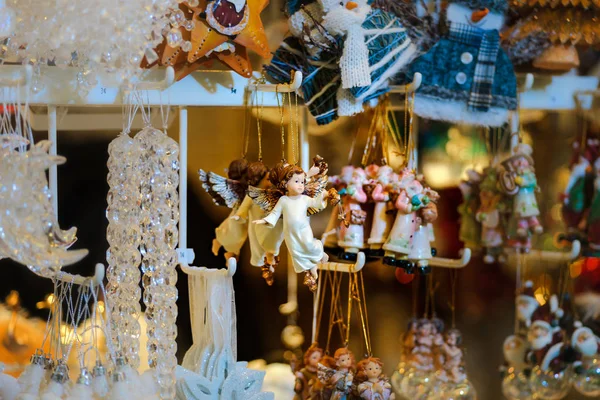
{"points": [[312, 349], [283, 174], [361, 373], [342, 352], [237, 169], [256, 172]]}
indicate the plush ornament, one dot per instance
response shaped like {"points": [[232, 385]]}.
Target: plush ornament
{"points": [[390, 50], [345, 18], [467, 77], [149, 389], [120, 389]]}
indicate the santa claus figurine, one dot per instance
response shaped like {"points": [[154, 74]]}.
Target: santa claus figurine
{"points": [[526, 305], [544, 332]]}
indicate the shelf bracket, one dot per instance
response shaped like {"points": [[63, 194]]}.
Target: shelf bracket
{"points": [[410, 87], [291, 87]]}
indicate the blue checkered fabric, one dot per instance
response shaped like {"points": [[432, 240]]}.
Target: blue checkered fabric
{"points": [[488, 42]]}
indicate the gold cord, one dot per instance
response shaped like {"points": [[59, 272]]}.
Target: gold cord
{"points": [[453, 276], [279, 106]]}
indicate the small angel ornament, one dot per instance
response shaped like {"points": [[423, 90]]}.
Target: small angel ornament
{"points": [[229, 192], [452, 367], [295, 200], [339, 379], [306, 377], [372, 384]]}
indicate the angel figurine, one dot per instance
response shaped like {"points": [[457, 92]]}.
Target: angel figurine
{"points": [[306, 377], [295, 200], [264, 242], [339, 379], [452, 369], [229, 192], [372, 384], [339, 182]]}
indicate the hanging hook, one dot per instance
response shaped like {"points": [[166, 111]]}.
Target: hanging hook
{"points": [[410, 87], [291, 87]]}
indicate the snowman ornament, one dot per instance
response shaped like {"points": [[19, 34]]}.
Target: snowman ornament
{"points": [[467, 77]]}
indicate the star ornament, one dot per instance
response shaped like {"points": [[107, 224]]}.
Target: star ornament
{"points": [[217, 30]]}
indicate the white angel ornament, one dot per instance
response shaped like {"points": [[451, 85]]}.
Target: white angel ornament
{"points": [[295, 200]]}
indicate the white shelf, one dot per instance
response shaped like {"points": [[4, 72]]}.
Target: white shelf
{"points": [[216, 89], [226, 89]]}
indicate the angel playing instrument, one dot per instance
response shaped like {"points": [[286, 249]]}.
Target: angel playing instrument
{"points": [[295, 197]]}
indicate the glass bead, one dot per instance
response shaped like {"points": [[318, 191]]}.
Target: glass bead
{"points": [[548, 385], [587, 381]]}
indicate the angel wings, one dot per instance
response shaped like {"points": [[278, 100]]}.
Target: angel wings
{"points": [[224, 191], [316, 184]]}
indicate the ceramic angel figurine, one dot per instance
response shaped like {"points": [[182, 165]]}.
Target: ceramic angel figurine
{"points": [[452, 368], [306, 377], [229, 192], [340, 378], [382, 219], [295, 200], [517, 178], [371, 382], [264, 242], [352, 234]]}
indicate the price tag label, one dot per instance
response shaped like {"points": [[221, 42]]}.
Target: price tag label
{"points": [[186, 255]]}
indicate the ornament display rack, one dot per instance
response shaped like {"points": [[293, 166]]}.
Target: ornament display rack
{"points": [[226, 89]]}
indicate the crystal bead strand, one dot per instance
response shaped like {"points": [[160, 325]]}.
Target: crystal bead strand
{"points": [[160, 214], [123, 235]]}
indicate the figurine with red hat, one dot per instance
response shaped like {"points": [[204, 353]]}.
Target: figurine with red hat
{"points": [[544, 332], [526, 304]]}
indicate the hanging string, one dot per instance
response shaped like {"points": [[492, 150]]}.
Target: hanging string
{"points": [[364, 314], [427, 294], [453, 276], [326, 280], [297, 147], [415, 295], [433, 286], [281, 124], [260, 108], [247, 118], [406, 127], [347, 341], [518, 280]]}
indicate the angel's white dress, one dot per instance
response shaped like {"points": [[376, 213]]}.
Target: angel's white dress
{"points": [[263, 239], [232, 234], [306, 251]]}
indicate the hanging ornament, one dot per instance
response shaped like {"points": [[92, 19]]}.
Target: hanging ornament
{"points": [[230, 191], [470, 229], [124, 237], [515, 383], [352, 231], [466, 76], [295, 198], [587, 376], [215, 30], [371, 382], [306, 377], [339, 378], [517, 178], [159, 171], [490, 214], [568, 25]]}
